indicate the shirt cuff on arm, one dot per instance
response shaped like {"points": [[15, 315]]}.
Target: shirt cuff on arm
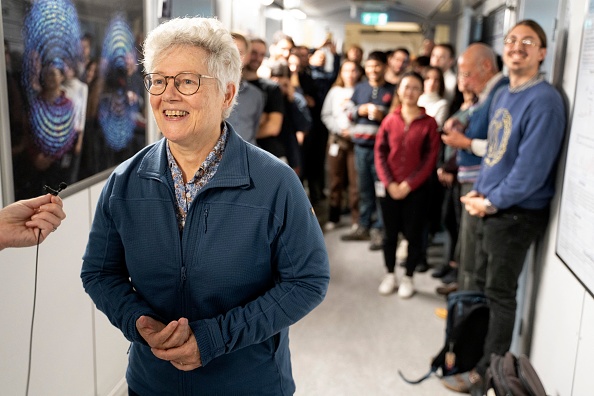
{"points": [[478, 147]]}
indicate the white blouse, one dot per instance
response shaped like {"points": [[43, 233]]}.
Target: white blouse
{"points": [[335, 109], [435, 106]]}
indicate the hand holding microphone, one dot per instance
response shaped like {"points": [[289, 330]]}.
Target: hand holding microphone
{"points": [[27, 222]]}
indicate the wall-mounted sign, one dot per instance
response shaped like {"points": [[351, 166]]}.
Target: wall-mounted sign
{"points": [[374, 18]]}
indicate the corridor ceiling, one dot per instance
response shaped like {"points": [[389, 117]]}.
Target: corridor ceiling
{"points": [[342, 10]]}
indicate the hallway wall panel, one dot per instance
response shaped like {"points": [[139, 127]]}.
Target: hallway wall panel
{"points": [[62, 332]]}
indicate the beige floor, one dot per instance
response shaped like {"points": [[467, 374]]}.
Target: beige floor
{"points": [[355, 342]]}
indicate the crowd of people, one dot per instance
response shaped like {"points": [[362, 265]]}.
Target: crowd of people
{"points": [[421, 143], [411, 149], [321, 114]]}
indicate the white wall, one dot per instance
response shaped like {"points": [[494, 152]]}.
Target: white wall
{"points": [[563, 338], [110, 345], [72, 346]]}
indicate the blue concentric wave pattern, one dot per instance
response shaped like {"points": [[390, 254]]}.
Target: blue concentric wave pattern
{"points": [[51, 32], [117, 112]]}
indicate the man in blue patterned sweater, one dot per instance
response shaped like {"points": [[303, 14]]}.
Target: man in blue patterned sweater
{"points": [[515, 185]]}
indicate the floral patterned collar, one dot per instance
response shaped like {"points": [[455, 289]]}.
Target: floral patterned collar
{"points": [[185, 193]]}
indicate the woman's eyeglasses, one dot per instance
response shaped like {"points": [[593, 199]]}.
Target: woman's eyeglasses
{"points": [[186, 83]]}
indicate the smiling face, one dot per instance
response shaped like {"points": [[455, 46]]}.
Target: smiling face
{"points": [[441, 57], [409, 90], [283, 48], [350, 74], [398, 62], [374, 70], [432, 81], [257, 54], [523, 61], [194, 120]]}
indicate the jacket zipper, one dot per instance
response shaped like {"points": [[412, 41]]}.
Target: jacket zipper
{"points": [[183, 274], [205, 220], [184, 277]]}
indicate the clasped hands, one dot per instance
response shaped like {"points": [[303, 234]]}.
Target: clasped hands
{"points": [[398, 191], [474, 203], [175, 342]]}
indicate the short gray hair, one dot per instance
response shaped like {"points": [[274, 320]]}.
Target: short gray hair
{"points": [[209, 34]]}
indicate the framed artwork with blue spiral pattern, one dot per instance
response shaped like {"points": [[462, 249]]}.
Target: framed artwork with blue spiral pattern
{"points": [[76, 101]]}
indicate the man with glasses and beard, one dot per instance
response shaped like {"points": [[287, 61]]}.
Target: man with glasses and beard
{"points": [[514, 188]]}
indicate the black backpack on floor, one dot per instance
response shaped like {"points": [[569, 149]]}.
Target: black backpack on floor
{"points": [[509, 375], [466, 329]]}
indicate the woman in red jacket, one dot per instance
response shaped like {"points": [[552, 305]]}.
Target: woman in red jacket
{"points": [[406, 150]]}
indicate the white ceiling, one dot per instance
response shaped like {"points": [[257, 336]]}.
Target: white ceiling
{"points": [[341, 9]]}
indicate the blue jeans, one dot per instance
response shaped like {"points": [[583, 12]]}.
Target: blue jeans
{"points": [[367, 177], [502, 243]]}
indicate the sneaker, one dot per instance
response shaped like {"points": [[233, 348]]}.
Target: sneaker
{"points": [[359, 234], [329, 226], [402, 251], [388, 285], [406, 289], [377, 239]]}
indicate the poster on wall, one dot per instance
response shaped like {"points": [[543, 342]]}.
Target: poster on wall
{"points": [[75, 89], [576, 219]]}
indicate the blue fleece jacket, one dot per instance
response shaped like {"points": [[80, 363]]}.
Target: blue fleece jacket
{"points": [[250, 262], [525, 137]]}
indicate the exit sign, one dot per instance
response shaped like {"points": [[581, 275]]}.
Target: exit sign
{"points": [[374, 18]]}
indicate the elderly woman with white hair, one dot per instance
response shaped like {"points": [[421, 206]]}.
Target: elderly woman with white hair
{"points": [[204, 249]]}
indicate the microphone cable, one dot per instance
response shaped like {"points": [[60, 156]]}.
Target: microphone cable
{"points": [[33, 314], [54, 192]]}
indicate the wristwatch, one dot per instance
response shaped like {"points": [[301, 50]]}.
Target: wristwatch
{"points": [[489, 207]]}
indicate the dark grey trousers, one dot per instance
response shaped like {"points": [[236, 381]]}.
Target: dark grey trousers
{"points": [[502, 241]]}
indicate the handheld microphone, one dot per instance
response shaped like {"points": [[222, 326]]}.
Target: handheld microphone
{"points": [[48, 189]]}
